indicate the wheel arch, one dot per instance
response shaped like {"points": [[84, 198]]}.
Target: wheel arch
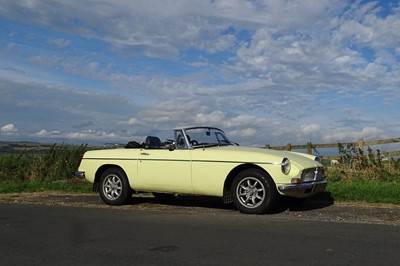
{"points": [[227, 198], [100, 171]]}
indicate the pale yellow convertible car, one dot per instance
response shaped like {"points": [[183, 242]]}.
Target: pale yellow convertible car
{"points": [[202, 161]]}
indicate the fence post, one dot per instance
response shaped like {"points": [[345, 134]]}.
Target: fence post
{"points": [[289, 147], [361, 144], [309, 147]]}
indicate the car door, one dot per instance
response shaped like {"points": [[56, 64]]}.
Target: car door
{"points": [[165, 170]]}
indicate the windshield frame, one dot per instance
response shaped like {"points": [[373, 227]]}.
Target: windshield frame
{"points": [[202, 137]]}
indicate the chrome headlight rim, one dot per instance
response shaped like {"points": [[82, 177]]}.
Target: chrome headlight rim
{"points": [[285, 166]]}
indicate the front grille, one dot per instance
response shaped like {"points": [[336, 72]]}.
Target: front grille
{"points": [[313, 174]]}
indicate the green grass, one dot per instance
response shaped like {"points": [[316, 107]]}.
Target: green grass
{"points": [[364, 176], [365, 191], [70, 187]]}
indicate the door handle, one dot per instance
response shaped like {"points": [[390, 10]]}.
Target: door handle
{"points": [[145, 153]]}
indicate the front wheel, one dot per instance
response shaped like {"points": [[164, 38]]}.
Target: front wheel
{"points": [[114, 187], [253, 192]]}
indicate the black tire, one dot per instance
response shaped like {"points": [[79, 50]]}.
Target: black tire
{"points": [[114, 187], [253, 192]]}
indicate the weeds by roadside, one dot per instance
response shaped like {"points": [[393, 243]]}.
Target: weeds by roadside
{"points": [[355, 165], [58, 163], [367, 177]]}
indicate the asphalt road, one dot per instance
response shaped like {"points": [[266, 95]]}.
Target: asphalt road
{"points": [[51, 234]]}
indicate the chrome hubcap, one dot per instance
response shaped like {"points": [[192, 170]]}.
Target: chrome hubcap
{"points": [[112, 186], [250, 192]]}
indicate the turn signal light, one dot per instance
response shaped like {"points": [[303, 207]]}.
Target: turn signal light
{"points": [[295, 181]]}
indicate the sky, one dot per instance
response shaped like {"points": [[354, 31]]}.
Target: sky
{"points": [[266, 72]]}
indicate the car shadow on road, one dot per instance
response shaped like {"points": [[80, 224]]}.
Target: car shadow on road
{"points": [[319, 201], [184, 201]]}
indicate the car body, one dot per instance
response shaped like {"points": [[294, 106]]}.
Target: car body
{"points": [[202, 161]]}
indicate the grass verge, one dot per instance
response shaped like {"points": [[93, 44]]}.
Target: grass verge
{"points": [[363, 191], [71, 186]]}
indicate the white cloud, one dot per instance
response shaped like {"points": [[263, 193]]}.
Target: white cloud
{"points": [[131, 122], [41, 133], [213, 118], [8, 129], [350, 134], [96, 136], [309, 129], [92, 135], [45, 133], [244, 133], [372, 133]]}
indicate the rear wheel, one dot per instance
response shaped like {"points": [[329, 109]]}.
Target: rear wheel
{"points": [[253, 192], [114, 187]]}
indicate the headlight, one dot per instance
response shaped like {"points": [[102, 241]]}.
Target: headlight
{"points": [[285, 166]]}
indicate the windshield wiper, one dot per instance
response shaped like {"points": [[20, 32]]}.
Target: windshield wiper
{"points": [[208, 145], [225, 144]]}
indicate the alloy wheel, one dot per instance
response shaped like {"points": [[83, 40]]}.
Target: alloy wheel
{"points": [[251, 192]]}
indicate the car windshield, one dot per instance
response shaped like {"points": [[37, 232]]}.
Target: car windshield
{"points": [[206, 136]]}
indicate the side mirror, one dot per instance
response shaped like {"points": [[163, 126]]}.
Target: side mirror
{"points": [[172, 147]]}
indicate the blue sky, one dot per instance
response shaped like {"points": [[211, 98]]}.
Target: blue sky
{"points": [[267, 72]]}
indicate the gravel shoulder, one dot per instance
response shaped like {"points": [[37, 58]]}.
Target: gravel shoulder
{"points": [[311, 210]]}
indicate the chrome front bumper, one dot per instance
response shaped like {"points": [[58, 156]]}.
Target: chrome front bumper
{"points": [[309, 187], [80, 174]]}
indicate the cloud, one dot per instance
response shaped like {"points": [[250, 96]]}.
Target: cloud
{"points": [[8, 129], [350, 134], [92, 135], [95, 136], [130, 122], [244, 133], [213, 118], [309, 129], [45, 133]]}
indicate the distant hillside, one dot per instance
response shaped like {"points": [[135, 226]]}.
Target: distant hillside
{"points": [[23, 146]]}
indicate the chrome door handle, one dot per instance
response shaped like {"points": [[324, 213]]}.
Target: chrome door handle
{"points": [[144, 153]]}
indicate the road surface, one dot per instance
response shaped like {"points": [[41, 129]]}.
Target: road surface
{"points": [[64, 229]]}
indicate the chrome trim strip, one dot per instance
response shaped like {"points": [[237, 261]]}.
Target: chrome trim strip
{"points": [[174, 160], [112, 159]]}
